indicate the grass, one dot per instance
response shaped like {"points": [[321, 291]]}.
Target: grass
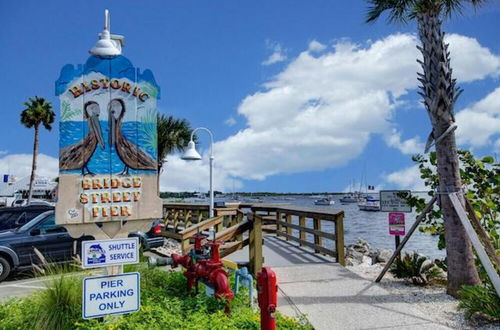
{"points": [[165, 304], [481, 301]]}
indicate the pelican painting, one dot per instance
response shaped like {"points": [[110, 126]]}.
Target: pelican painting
{"points": [[131, 155], [77, 155]]}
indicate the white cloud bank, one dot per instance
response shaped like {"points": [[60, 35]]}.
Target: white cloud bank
{"points": [[407, 178], [321, 109], [407, 147], [479, 123], [19, 165]]}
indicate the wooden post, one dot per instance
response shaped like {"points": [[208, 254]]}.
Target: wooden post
{"points": [[288, 229], [278, 218], [302, 223], [490, 270], [318, 240], [339, 238], [490, 250], [255, 245], [185, 245], [239, 219]]}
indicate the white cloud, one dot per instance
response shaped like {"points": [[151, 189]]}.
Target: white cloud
{"points": [[230, 121], [320, 111], [470, 60], [181, 175], [407, 178], [278, 54], [479, 123], [316, 46], [19, 165], [3, 152], [496, 145], [407, 147]]}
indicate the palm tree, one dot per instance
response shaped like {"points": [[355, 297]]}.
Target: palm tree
{"points": [[439, 91], [173, 135], [38, 111]]}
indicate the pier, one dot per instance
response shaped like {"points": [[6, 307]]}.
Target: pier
{"points": [[308, 258]]}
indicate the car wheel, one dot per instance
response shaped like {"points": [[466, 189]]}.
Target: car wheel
{"points": [[4, 268]]}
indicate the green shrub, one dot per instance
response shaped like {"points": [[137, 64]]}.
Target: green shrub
{"points": [[480, 300], [58, 306], [416, 268], [165, 304]]}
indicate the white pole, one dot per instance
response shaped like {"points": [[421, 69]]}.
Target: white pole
{"points": [[211, 208], [492, 274]]}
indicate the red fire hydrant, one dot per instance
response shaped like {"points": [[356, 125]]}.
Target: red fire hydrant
{"points": [[267, 287]]}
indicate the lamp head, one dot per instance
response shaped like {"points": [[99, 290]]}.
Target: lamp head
{"points": [[191, 153], [107, 45]]}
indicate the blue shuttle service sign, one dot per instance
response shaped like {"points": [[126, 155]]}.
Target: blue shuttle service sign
{"points": [[111, 252], [106, 295]]}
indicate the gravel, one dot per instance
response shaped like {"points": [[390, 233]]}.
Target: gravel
{"points": [[431, 300]]}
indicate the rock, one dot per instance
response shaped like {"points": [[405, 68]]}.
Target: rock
{"points": [[367, 261], [355, 255], [350, 262], [384, 255], [373, 254], [361, 246]]}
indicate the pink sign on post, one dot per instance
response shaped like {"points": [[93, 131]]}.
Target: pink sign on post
{"points": [[397, 223]]}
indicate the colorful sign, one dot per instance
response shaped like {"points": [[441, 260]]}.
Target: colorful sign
{"points": [[108, 142], [397, 223], [103, 253], [107, 295], [391, 201]]}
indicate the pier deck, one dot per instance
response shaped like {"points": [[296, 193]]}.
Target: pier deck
{"points": [[332, 297]]}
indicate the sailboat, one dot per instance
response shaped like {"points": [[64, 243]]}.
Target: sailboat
{"points": [[350, 197]]}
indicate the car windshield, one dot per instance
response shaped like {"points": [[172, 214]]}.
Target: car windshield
{"points": [[35, 221]]}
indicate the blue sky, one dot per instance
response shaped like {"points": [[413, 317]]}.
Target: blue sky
{"points": [[300, 95]]}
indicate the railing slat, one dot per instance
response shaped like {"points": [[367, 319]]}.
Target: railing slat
{"points": [[308, 244], [309, 230]]}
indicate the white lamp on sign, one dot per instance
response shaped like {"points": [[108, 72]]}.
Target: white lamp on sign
{"points": [[108, 44]]}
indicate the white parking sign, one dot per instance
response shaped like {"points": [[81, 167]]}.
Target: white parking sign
{"points": [[110, 252], [106, 295]]}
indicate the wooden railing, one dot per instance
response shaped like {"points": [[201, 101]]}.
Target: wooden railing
{"points": [[237, 229], [296, 223]]}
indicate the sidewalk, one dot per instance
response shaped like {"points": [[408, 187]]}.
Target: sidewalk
{"points": [[331, 296]]}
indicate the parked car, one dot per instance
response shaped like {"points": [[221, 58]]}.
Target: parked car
{"points": [[53, 241], [24, 202], [15, 217]]}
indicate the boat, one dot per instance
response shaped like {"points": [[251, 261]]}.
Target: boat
{"points": [[350, 198], [369, 203], [324, 201]]}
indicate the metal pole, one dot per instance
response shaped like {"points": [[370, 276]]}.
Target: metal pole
{"points": [[211, 208], [428, 207]]}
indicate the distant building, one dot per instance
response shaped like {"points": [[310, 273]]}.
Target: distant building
{"points": [[43, 188]]}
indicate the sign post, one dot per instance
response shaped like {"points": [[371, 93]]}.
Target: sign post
{"points": [[108, 168], [392, 201]]}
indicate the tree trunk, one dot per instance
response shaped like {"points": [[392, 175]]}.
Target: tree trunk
{"points": [[160, 169], [440, 93], [33, 163]]}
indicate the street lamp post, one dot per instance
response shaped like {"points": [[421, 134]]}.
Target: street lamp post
{"points": [[192, 154]]}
